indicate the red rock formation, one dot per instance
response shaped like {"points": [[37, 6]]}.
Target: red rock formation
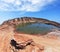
{"points": [[6, 34], [29, 19], [21, 43], [11, 41]]}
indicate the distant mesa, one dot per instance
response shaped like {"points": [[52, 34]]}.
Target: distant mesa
{"points": [[17, 21]]}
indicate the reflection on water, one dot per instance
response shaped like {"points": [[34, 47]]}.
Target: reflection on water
{"points": [[35, 28]]}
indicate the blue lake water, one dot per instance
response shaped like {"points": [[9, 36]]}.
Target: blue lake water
{"points": [[35, 28]]}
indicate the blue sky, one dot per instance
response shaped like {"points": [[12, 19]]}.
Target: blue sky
{"points": [[48, 9]]}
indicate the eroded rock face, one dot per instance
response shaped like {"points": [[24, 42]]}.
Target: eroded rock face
{"points": [[6, 34], [28, 45], [53, 34], [11, 42], [17, 21]]}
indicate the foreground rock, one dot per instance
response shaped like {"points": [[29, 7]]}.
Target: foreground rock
{"points": [[11, 41], [6, 34], [53, 34]]}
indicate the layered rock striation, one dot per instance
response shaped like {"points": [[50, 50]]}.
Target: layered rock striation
{"points": [[17, 21]]}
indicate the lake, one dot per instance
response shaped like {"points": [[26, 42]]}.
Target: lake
{"points": [[35, 28]]}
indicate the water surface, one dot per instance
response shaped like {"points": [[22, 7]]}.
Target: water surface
{"points": [[35, 28]]}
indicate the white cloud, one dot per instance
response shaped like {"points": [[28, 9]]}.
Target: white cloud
{"points": [[18, 2], [24, 5], [8, 1]]}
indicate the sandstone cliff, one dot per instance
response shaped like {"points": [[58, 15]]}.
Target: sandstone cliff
{"points": [[30, 19]]}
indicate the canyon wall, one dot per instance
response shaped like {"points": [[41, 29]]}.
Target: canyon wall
{"points": [[30, 19]]}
